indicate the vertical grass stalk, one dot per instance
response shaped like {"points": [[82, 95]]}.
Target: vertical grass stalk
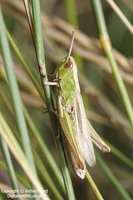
{"points": [[106, 44], [15, 93], [43, 73]]}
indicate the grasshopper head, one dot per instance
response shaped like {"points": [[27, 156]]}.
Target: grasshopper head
{"points": [[68, 65], [67, 68]]}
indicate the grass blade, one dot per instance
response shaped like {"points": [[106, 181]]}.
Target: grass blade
{"points": [[15, 92], [42, 68], [106, 44]]}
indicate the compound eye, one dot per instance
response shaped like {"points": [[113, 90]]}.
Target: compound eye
{"points": [[69, 64]]}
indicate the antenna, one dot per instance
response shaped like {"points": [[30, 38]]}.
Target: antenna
{"points": [[71, 42]]}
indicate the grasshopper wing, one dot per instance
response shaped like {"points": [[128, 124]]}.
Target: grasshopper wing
{"points": [[83, 136]]}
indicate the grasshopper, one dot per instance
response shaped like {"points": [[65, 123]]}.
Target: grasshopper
{"points": [[78, 132]]}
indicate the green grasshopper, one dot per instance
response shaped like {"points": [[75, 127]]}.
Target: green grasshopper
{"points": [[78, 132]]}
